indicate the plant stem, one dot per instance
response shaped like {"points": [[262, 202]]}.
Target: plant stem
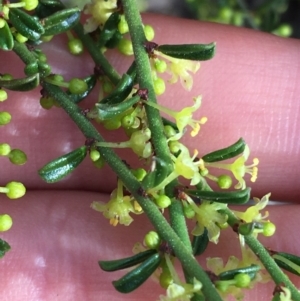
{"points": [[24, 53], [134, 187], [269, 263], [138, 39], [97, 55]]}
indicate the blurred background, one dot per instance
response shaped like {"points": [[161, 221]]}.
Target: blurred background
{"points": [[281, 17]]}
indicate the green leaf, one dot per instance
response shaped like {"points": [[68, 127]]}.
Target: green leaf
{"points": [[106, 111], [250, 270], [21, 84], [288, 262], [61, 21], [119, 264], [121, 91], [25, 24], [109, 30], [228, 197], [200, 243], [4, 247], [62, 166], [6, 38], [226, 153], [137, 276], [194, 52]]}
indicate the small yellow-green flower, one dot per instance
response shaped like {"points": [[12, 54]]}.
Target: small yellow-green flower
{"points": [[285, 295], [118, 208], [178, 290], [183, 118], [100, 11], [252, 214], [208, 217], [180, 69], [185, 166], [238, 168]]}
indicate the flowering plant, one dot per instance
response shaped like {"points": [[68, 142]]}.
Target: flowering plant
{"points": [[170, 178]]}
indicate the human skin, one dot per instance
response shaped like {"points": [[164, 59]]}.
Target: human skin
{"points": [[250, 90]]}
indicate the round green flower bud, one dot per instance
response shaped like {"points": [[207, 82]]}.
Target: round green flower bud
{"points": [[174, 147], [149, 32], [57, 77], [46, 102], [5, 222], [165, 279], [4, 149], [160, 66], [5, 118], [242, 280], [17, 157], [99, 163], [125, 47], [107, 87], [152, 240], [225, 14], [2, 22], [224, 181], [20, 38], [139, 173], [284, 30], [169, 131], [46, 38], [30, 4], [3, 95], [112, 124], [127, 121], [268, 229], [75, 46], [163, 201], [123, 25], [77, 86], [31, 68], [188, 211], [94, 155], [6, 76], [42, 58], [238, 19], [44, 69], [159, 86], [15, 190]]}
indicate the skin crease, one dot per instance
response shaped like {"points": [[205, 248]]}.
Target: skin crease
{"points": [[249, 89]]}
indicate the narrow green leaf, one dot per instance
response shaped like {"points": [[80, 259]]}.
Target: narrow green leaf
{"points": [[119, 264], [21, 84], [194, 52], [250, 270], [121, 91], [200, 243], [62, 166], [25, 24], [109, 30], [4, 247], [6, 38], [226, 153], [106, 111], [61, 21], [287, 261], [137, 276], [228, 197]]}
